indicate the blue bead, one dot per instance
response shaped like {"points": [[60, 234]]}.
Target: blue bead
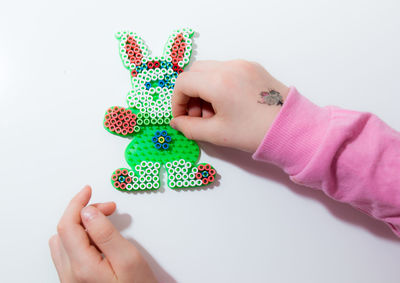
{"points": [[168, 139], [148, 85], [161, 83], [164, 133], [158, 133], [154, 139], [158, 145], [165, 146]]}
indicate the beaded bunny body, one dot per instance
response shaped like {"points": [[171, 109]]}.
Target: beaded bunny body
{"points": [[146, 119]]}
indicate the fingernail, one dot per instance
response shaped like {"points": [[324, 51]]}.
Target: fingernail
{"points": [[173, 124], [88, 213], [85, 187]]}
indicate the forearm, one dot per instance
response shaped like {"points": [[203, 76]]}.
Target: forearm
{"points": [[353, 157]]}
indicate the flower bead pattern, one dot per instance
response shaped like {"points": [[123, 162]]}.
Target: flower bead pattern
{"points": [[205, 173], [121, 179], [161, 140]]}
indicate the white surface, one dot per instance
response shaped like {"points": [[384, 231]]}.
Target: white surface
{"points": [[60, 70]]}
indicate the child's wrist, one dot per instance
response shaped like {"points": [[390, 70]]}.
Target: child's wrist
{"points": [[294, 135], [267, 117]]}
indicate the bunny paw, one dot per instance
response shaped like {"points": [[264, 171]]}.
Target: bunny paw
{"points": [[121, 121]]}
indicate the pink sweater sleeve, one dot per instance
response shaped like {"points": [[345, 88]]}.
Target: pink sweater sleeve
{"points": [[353, 157]]}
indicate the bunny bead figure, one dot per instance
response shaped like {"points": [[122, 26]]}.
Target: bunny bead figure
{"points": [[146, 120]]}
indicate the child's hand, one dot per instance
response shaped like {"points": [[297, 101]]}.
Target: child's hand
{"points": [[221, 102], [88, 248]]}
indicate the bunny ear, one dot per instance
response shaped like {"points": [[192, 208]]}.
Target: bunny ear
{"points": [[132, 50], [179, 48]]}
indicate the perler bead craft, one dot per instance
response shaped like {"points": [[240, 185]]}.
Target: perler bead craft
{"points": [[146, 119]]}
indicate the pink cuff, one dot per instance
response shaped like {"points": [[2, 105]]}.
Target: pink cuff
{"points": [[295, 134]]}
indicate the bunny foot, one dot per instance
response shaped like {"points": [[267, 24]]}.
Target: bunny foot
{"points": [[184, 174], [145, 176]]}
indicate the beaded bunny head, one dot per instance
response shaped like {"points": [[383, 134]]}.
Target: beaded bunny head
{"points": [[153, 78]]}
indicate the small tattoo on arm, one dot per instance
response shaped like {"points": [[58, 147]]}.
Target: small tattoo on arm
{"points": [[270, 97]]}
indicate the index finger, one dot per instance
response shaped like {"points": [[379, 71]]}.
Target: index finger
{"points": [[72, 234], [189, 85]]}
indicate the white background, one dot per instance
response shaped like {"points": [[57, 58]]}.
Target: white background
{"points": [[60, 70]]}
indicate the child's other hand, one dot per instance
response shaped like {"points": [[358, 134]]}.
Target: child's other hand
{"points": [[88, 248], [218, 102]]}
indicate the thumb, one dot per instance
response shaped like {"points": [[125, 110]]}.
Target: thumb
{"points": [[195, 128], [110, 242]]}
